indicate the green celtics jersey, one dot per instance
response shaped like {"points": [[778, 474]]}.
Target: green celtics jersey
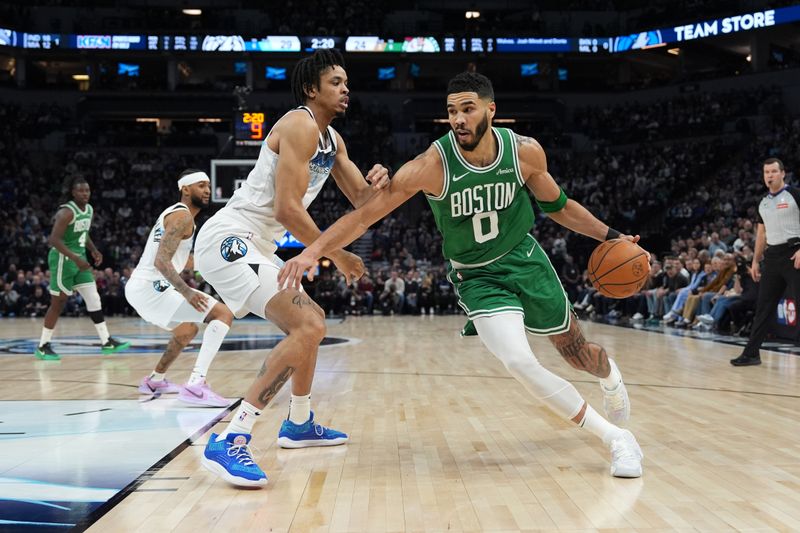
{"points": [[78, 230], [483, 212]]}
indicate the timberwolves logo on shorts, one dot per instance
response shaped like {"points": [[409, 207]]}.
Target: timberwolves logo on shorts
{"points": [[161, 285], [232, 248]]}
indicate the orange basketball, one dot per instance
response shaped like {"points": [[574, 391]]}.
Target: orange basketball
{"points": [[618, 268]]}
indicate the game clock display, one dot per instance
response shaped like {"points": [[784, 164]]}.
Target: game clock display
{"points": [[249, 128]]}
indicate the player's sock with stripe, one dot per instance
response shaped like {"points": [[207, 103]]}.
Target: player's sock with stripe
{"points": [[212, 339], [102, 331], [614, 377], [300, 409], [47, 334], [242, 421], [157, 376], [596, 424]]}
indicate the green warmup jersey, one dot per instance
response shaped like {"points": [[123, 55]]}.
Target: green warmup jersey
{"points": [[483, 212], [65, 275], [78, 230]]}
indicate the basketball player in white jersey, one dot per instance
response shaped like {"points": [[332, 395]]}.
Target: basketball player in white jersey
{"points": [[235, 252], [161, 297]]}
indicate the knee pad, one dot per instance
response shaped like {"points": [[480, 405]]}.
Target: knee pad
{"points": [[90, 296]]}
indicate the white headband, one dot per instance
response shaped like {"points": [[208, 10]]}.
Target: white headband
{"points": [[191, 179]]}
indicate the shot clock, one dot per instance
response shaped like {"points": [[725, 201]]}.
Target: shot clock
{"points": [[249, 128]]}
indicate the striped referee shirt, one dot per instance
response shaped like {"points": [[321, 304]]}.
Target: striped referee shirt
{"points": [[780, 214]]}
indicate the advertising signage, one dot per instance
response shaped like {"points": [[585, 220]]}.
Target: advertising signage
{"points": [[424, 44], [703, 29]]}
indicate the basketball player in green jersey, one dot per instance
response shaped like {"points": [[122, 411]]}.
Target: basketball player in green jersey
{"points": [[69, 269], [475, 179]]}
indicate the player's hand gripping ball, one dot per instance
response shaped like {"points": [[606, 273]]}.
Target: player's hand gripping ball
{"points": [[618, 268]]}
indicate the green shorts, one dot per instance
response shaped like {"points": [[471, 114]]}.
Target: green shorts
{"points": [[522, 281], [65, 275]]}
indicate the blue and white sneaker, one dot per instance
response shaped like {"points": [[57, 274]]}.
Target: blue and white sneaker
{"points": [[308, 434], [231, 460]]}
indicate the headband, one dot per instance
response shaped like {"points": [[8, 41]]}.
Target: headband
{"points": [[191, 179]]}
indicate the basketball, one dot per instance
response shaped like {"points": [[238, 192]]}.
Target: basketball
{"points": [[618, 268]]}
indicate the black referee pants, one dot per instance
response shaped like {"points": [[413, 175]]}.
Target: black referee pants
{"points": [[777, 273]]}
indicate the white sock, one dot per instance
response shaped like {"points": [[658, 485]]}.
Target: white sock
{"points": [[47, 334], [242, 421], [102, 330], [599, 426], [300, 409], [212, 339], [614, 377], [155, 376]]}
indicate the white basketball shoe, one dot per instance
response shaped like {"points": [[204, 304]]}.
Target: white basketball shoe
{"points": [[626, 456], [615, 402]]}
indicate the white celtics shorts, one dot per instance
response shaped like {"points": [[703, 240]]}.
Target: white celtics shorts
{"points": [[159, 303], [242, 267]]}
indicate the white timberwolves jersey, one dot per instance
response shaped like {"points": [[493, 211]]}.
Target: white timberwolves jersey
{"points": [[253, 203], [146, 269]]}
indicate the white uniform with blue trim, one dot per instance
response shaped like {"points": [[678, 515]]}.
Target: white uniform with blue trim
{"points": [[152, 296], [243, 233]]}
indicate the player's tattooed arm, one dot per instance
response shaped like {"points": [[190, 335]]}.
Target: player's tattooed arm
{"points": [[521, 139], [580, 354], [176, 226]]}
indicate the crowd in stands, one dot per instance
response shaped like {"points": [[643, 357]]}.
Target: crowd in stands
{"points": [[698, 192], [691, 115]]}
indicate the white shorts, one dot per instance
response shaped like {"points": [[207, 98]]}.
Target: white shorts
{"points": [[164, 307], [241, 267]]}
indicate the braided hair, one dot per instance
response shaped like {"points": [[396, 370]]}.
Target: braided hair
{"points": [[306, 74], [66, 187]]}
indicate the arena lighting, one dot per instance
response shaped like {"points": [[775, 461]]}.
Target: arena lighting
{"points": [[141, 119], [674, 51], [472, 14], [80, 77], [749, 58], [209, 120], [325, 263], [193, 12]]}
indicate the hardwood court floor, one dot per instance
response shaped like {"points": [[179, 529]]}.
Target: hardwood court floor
{"points": [[442, 439]]}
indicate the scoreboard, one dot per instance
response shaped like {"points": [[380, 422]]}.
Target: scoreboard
{"points": [[249, 128]]}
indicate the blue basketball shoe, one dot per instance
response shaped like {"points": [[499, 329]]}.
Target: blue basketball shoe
{"points": [[308, 434], [230, 459]]}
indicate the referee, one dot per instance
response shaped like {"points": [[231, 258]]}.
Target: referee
{"points": [[779, 233]]}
